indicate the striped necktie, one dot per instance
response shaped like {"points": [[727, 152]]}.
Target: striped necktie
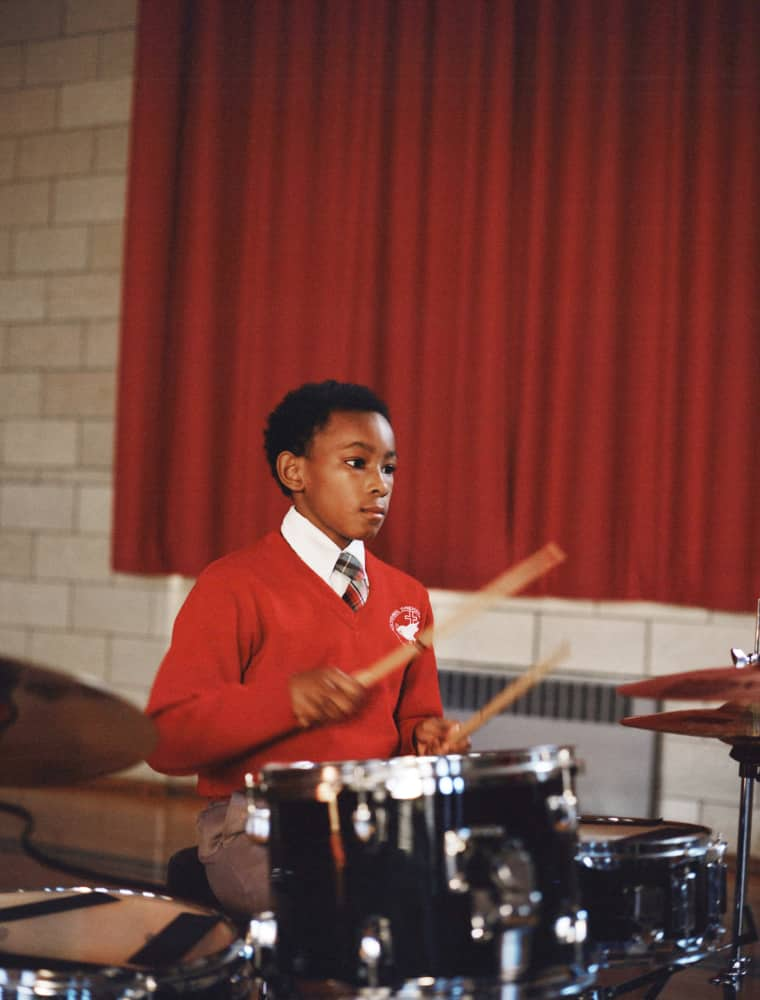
{"points": [[356, 592]]}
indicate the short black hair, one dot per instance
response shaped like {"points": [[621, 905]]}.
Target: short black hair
{"points": [[293, 422]]}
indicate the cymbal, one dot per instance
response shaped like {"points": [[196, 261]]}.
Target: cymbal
{"points": [[732, 723], [56, 729], [741, 684]]}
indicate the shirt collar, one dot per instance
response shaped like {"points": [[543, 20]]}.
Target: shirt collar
{"points": [[313, 546]]}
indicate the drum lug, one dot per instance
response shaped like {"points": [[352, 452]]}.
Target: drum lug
{"points": [[563, 810], [375, 948], [455, 843], [463, 844], [364, 826], [257, 823], [515, 880], [509, 900], [262, 938], [484, 916], [519, 903], [572, 929]]}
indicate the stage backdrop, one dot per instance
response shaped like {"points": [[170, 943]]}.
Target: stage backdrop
{"points": [[534, 227]]}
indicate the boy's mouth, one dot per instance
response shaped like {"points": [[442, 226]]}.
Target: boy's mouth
{"points": [[374, 511]]}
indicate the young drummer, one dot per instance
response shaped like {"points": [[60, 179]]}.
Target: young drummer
{"points": [[263, 650]]}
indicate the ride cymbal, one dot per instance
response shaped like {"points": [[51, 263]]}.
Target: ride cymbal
{"points": [[740, 684], [56, 729], [732, 723]]}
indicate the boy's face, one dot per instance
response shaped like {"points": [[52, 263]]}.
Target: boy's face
{"points": [[346, 478]]}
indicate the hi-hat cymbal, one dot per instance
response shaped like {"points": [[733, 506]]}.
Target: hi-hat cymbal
{"points": [[741, 684], [56, 729], [732, 723]]}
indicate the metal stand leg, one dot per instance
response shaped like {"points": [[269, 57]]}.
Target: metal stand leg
{"points": [[731, 978], [659, 985]]}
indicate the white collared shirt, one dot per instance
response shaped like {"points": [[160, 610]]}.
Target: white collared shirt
{"points": [[317, 550]]}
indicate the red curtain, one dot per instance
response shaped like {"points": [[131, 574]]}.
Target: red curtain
{"points": [[531, 225]]}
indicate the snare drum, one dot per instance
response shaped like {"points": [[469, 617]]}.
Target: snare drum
{"points": [[89, 944], [651, 888], [421, 870]]}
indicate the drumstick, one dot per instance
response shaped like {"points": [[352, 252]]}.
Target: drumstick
{"points": [[513, 691], [509, 582]]}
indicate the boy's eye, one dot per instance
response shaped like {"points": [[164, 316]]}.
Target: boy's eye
{"points": [[356, 463], [389, 469]]}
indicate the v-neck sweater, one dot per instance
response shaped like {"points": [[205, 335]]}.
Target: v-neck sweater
{"points": [[220, 699]]}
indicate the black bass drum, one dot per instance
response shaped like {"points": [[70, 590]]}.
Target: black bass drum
{"points": [[428, 872]]}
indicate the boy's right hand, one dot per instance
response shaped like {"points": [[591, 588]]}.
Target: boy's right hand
{"points": [[324, 695]]}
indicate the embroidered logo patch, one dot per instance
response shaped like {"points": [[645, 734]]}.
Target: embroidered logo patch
{"points": [[405, 623]]}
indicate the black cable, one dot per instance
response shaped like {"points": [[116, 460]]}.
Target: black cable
{"points": [[79, 871]]}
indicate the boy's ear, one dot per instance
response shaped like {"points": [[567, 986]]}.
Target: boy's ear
{"points": [[290, 471]]}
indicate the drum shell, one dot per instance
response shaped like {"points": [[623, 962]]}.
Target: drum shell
{"points": [[659, 890], [330, 880], [109, 944]]}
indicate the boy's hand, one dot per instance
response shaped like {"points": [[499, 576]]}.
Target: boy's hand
{"points": [[439, 736], [325, 695]]}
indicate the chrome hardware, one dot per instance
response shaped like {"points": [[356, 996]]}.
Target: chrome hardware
{"points": [[563, 810], [515, 879], [484, 915], [364, 827], [742, 659], [257, 823], [519, 902], [506, 901], [454, 846], [374, 947], [458, 846], [262, 937], [514, 956], [572, 928]]}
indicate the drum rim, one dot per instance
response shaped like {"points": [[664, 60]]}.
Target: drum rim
{"points": [[119, 975], [541, 761], [693, 840]]}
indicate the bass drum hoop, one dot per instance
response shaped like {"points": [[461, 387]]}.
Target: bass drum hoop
{"points": [[310, 780]]}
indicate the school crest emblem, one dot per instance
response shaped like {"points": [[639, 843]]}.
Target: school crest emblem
{"points": [[405, 623]]}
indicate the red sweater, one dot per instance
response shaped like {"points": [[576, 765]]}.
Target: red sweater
{"points": [[254, 618]]}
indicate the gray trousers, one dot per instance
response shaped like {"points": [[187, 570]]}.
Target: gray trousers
{"points": [[236, 867]]}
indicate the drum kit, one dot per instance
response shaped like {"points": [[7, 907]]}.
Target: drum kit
{"points": [[460, 876]]}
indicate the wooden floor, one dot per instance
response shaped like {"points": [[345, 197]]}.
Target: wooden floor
{"points": [[122, 834]]}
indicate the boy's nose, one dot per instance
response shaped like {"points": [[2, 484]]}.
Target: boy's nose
{"points": [[378, 483]]}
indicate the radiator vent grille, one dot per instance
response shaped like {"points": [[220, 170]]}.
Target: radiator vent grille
{"points": [[587, 701]]}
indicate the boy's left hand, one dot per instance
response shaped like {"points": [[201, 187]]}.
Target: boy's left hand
{"points": [[439, 736]]}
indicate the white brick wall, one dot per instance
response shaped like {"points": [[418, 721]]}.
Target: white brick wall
{"points": [[62, 61], [44, 345], [55, 154], [22, 299], [49, 443], [65, 95], [45, 249], [36, 507], [31, 20]]}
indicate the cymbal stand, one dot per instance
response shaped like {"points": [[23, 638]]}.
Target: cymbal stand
{"points": [[748, 755]]}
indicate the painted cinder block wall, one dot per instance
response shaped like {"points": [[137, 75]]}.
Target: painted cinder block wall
{"points": [[65, 91]]}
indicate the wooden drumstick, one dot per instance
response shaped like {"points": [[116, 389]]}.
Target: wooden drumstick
{"points": [[509, 582], [513, 691]]}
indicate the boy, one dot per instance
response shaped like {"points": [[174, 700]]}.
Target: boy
{"points": [[260, 663]]}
